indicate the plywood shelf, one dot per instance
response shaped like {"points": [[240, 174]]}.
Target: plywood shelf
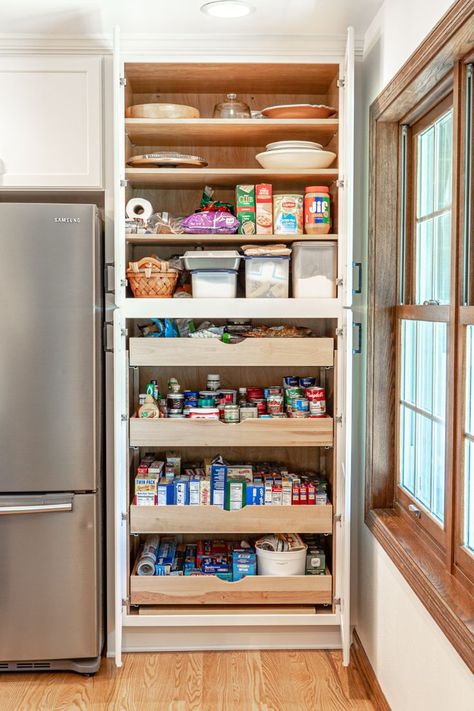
{"points": [[225, 177], [285, 432], [259, 352], [209, 590], [212, 519], [154, 239], [227, 132], [232, 308]]}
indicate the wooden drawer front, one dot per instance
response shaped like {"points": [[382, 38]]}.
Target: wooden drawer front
{"points": [[212, 519], [285, 352], [255, 589], [285, 432]]}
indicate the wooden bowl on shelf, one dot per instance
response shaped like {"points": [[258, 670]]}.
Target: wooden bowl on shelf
{"points": [[162, 111]]}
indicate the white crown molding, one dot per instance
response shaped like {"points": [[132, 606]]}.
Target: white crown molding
{"points": [[187, 47]]}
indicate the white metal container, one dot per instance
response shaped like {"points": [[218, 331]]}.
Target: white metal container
{"points": [[212, 259], [314, 270], [281, 563], [214, 283], [267, 277]]}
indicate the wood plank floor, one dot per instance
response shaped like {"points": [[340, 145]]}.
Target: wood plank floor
{"points": [[197, 681]]}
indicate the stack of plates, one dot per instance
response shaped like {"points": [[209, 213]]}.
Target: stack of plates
{"points": [[295, 155], [167, 159]]}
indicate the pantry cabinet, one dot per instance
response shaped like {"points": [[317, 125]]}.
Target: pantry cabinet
{"points": [[51, 122], [296, 610]]}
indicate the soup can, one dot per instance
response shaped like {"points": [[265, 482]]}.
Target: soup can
{"points": [[317, 400], [300, 405], [290, 381], [260, 404], [272, 390], [307, 382], [275, 404], [254, 393]]}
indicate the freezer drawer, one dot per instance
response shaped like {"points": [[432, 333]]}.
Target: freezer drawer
{"points": [[50, 606]]}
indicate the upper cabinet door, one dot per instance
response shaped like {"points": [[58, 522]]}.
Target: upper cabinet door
{"points": [[51, 122]]}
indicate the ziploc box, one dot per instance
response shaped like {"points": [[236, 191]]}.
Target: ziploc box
{"points": [[255, 495], [244, 562], [235, 494], [181, 492], [218, 480], [245, 209], [165, 496]]}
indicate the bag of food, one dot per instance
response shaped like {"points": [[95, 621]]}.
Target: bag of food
{"points": [[210, 222]]}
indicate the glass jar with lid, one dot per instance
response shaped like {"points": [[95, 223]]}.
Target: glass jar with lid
{"points": [[231, 108]]}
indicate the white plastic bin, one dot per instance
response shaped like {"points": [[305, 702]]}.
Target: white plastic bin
{"points": [[281, 563], [314, 270], [267, 277], [212, 259], [214, 283]]}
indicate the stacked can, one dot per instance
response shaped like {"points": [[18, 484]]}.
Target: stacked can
{"points": [[303, 398]]}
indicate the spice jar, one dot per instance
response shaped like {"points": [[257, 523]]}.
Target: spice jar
{"points": [[231, 413], [213, 381], [317, 210]]}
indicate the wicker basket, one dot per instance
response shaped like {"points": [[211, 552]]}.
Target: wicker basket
{"points": [[150, 278]]}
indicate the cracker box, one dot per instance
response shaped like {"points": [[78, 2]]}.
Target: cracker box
{"points": [[173, 460], [165, 496], [205, 492], [194, 492], [156, 467], [218, 480], [264, 209], [181, 492], [268, 491], [276, 495], [255, 495], [286, 492], [245, 209], [146, 489]]}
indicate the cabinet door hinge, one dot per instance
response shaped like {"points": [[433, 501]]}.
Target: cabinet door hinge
{"points": [[123, 283], [337, 601], [339, 281], [340, 183], [338, 518], [124, 418], [124, 332], [341, 83], [123, 81], [123, 183], [339, 332], [124, 516], [338, 419], [125, 601]]}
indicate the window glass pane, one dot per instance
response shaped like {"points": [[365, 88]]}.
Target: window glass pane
{"points": [[423, 413], [433, 211], [469, 443]]}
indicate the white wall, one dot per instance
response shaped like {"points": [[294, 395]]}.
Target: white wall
{"points": [[417, 667]]}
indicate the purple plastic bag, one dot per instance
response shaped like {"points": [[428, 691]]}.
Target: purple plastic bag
{"points": [[210, 222]]}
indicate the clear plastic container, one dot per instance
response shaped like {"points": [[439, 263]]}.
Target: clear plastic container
{"points": [[267, 277], [314, 270], [212, 259], [214, 283]]}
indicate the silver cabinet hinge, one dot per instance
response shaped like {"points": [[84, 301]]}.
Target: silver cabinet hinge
{"points": [[123, 183], [125, 601], [123, 282], [338, 419], [124, 418], [341, 83], [338, 518], [339, 331], [340, 183], [337, 601], [124, 516], [123, 81], [124, 332], [340, 281]]}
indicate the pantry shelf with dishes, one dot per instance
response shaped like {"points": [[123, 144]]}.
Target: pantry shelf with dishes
{"points": [[232, 344]]}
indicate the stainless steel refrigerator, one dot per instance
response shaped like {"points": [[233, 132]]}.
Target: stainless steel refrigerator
{"points": [[51, 437]]}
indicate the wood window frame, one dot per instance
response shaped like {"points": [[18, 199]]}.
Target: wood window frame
{"points": [[437, 568]]}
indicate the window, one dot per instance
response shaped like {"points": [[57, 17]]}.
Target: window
{"points": [[420, 375]]}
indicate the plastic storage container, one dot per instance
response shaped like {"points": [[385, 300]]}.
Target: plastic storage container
{"points": [[267, 277], [281, 563], [214, 283], [212, 259], [314, 270]]}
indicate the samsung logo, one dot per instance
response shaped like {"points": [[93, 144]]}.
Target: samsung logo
{"points": [[67, 219]]}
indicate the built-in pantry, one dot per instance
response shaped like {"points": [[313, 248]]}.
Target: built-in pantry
{"points": [[311, 610]]}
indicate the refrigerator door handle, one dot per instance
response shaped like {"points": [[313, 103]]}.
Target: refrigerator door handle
{"points": [[35, 508]]}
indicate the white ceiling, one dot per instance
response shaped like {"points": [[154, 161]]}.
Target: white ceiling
{"points": [[288, 17]]}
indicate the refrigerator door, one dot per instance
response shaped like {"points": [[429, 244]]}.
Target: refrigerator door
{"points": [[49, 595], [50, 359]]}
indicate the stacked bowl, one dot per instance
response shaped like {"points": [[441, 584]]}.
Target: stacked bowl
{"points": [[294, 155]]}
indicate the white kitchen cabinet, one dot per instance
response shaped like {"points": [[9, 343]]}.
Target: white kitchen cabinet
{"points": [[51, 122]]}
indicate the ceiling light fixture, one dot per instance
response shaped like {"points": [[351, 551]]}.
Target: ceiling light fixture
{"points": [[227, 8]]}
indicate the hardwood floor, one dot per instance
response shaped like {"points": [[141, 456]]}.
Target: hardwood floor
{"points": [[197, 681]]}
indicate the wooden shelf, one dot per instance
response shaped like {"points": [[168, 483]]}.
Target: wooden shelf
{"points": [[260, 352], [153, 239], [232, 308], [208, 590], [287, 432], [227, 132], [212, 519], [225, 177]]}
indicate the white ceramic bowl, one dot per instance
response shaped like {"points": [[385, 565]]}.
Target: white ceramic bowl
{"points": [[295, 158], [283, 145]]}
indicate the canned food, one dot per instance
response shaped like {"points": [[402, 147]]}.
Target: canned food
{"points": [[175, 401], [317, 399], [231, 413], [275, 404], [300, 405], [307, 382], [298, 413], [191, 394], [254, 393], [207, 394], [272, 390], [176, 417], [290, 381], [292, 392], [279, 414], [206, 402], [174, 411], [248, 413], [261, 406], [229, 396]]}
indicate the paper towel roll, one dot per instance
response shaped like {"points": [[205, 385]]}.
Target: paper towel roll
{"points": [[139, 208]]}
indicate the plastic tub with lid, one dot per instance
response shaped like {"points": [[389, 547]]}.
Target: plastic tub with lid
{"points": [[314, 270], [212, 259], [214, 283], [267, 277], [281, 562]]}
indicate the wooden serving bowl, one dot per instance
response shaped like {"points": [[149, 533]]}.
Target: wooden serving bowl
{"points": [[162, 111]]}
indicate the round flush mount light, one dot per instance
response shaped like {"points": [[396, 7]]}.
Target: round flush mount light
{"points": [[227, 8]]}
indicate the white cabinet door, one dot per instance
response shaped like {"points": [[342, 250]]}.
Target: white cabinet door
{"points": [[51, 122]]}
